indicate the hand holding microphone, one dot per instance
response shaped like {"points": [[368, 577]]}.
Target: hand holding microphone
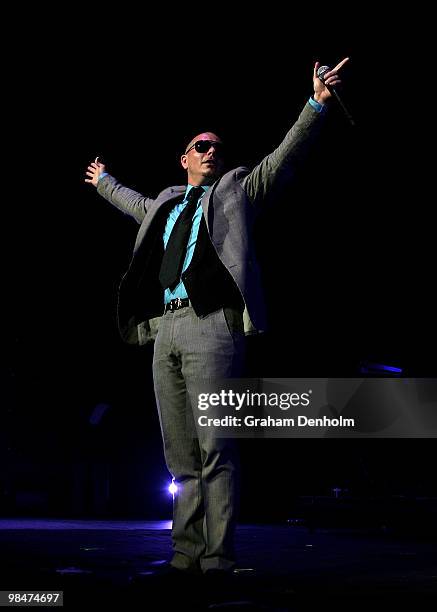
{"points": [[325, 81]]}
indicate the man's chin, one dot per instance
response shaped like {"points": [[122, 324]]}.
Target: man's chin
{"points": [[210, 173]]}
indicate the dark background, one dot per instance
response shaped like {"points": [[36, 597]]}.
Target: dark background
{"points": [[354, 237]]}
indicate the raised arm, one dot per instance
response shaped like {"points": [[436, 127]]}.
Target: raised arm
{"points": [[127, 200], [279, 167]]}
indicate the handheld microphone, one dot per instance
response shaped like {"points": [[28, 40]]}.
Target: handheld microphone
{"points": [[320, 73]]}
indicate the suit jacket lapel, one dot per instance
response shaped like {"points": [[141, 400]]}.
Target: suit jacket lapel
{"points": [[167, 200]]}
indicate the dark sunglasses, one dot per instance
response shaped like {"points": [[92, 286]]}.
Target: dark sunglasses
{"points": [[202, 146]]}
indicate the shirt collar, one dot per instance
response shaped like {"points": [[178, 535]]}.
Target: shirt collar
{"points": [[189, 187]]}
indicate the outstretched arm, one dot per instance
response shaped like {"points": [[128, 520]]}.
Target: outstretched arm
{"points": [[127, 200], [279, 167]]}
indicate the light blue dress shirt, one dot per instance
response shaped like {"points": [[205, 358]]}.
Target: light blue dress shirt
{"points": [[180, 291], [320, 108]]}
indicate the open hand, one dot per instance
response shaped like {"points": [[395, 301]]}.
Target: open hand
{"points": [[95, 169]]}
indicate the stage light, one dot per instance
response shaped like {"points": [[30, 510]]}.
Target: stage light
{"points": [[367, 367], [173, 488]]}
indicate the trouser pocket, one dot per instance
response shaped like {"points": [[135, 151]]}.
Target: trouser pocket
{"points": [[234, 321]]}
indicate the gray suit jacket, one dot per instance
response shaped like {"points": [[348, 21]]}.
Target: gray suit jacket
{"points": [[229, 207]]}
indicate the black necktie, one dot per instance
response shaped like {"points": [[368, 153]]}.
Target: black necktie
{"points": [[174, 254]]}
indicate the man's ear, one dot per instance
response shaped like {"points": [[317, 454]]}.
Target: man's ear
{"points": [[184, 162]]}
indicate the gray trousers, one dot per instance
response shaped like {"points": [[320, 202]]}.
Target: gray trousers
{"points": [[205, 468]]}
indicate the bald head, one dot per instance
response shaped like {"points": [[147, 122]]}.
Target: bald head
{"points": [[203, 136], [203, 159]]}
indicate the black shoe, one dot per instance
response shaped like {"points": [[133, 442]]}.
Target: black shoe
{"points": [[167, 569], [219, 576], [219, 586], [168, 573]]}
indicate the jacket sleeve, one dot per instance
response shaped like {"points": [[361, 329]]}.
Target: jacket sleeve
{"points": [[128, 201], [279, 167]]}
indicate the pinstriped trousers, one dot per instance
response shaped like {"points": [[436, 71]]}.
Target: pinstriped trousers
{"points": [[189, 349]]}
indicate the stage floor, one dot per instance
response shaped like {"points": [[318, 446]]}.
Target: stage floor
{"points": [[280, 567]]}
